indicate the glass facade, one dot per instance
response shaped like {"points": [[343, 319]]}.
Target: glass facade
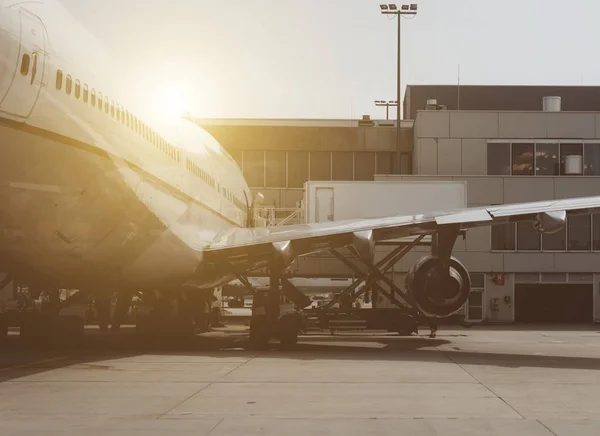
{"points": [[290, 169], [582, 233], [543, 158]]}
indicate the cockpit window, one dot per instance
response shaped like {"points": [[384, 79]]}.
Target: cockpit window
{"points": [[25, 64]]}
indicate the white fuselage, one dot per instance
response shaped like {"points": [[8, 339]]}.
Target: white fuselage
{"points": [[90, 195]]}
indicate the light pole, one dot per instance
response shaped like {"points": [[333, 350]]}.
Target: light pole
{"points": [[387, 105], [392, 9]]}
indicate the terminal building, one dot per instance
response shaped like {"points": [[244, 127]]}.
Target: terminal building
{"points": [[509, 143]]}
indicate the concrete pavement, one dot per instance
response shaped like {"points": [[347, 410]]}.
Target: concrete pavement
{"points": [[465, 382]]}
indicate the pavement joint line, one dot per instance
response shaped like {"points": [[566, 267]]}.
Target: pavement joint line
{"points": [[205, 387], [37, 362], [215, 426], [546, 427], [479, 381]]}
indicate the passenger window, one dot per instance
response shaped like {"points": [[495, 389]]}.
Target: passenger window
{"points": [[100, 100], [105, 104], [25, 64], [93, 97], [127, 118], [112, 108], [69, 84], [77, 89], [59, 79], [86, 93], [34, 68]]}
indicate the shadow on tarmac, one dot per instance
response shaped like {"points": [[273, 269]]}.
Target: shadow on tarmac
{"points": [[18, 360]]}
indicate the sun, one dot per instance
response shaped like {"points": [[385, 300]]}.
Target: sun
{"points": [[173, 103]]}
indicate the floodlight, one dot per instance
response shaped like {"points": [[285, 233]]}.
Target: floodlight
{"points": [[392, 7], [384, 7], [413, 7], [405, 7]]}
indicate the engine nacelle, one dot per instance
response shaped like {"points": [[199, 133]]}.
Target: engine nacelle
{"points": [[438, 294], [550, 222]]}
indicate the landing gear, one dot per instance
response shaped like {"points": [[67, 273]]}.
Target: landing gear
{"points": [[272, 316]]}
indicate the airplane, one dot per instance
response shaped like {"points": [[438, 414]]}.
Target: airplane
{"points": [[95, 197]]}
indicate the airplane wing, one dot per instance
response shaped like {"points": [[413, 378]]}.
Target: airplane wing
{"points": [[252, 246]]}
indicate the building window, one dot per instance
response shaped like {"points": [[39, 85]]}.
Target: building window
{"points": [[276, 169], [59, 79], [579, 233], [25, 64], [297, 168], [69, 86], [364, 166], [477, 280], [546, 159], [591, 158], [528, 238], [570, 150], [503, 237], [522, 159], [254, 168], [320, 166], [498, 159], [342, 166], [555, 241], [596, 231], [77, 89], [86, 93]]}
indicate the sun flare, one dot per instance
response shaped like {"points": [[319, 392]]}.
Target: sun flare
{"points": [[173, 102]]}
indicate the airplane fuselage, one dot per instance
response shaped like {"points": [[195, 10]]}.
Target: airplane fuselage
{"points": [[90, 195]]}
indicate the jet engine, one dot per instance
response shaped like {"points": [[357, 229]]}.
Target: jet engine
{"points": [[438, 293], [550, 222]]}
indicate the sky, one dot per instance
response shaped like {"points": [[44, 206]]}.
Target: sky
{"points": [[333, 58]]}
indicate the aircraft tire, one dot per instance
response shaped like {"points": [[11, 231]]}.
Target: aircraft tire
{"points": [[259, 332], [288, 332], [406, 325]]}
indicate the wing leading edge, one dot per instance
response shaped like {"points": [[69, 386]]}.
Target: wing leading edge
{"points": [[253, 245]]}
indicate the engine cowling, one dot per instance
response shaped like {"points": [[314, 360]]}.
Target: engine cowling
{"points": [[550, 222], [438, 294]]}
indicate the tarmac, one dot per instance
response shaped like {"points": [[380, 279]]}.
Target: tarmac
{"points": [[480, 381]]}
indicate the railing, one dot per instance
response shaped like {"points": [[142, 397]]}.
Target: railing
{"points": [[269, 216]]}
